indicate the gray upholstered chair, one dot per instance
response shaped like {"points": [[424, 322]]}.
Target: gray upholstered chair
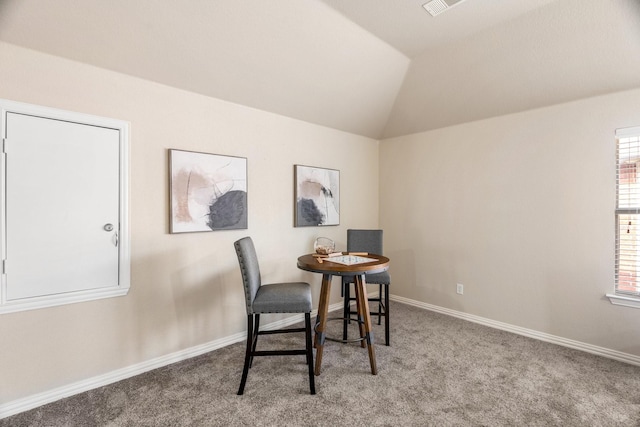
{"points": [[367, 241], [294, 297]]}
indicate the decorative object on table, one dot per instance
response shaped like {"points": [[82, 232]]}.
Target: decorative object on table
{"points": [[324, 246], [370, 241], [208, 192], [317, 196], [350, 259]]}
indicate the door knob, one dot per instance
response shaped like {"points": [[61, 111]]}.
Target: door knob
{"points": [[108, 227]]}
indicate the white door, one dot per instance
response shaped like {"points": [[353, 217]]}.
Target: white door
{"points": [[62, 211]]}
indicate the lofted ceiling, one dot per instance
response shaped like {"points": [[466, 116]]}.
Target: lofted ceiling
{"points": [[378, 68], [407, 26]]}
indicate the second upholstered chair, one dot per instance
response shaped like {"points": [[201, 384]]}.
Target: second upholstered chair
{"points": [[369, 241], [294, 297]]}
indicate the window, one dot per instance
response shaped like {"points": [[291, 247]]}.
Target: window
{"points": [[627, 214]]}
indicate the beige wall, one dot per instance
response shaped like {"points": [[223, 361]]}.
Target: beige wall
{"points": [[185, 289], [520, 210]]}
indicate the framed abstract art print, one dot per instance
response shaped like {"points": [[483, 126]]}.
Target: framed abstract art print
{"points": [[208, 192], [317, 196]]}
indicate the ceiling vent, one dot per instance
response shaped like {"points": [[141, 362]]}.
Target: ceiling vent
{"points": [[436, 7]]}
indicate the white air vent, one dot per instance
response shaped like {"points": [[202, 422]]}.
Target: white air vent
{"points": [[436, 7]]}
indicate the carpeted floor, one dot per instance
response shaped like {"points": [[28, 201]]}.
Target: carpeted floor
{"points": [[439, 371]]}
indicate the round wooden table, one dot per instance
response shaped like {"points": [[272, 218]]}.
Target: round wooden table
{"points": [[328, 269]]}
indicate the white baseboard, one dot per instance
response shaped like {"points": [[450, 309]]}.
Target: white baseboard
{"points": [[577, 345], [25, 404], [31, 402]]}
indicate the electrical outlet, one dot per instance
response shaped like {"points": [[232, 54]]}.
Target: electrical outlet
{"points": [[460, 288]]}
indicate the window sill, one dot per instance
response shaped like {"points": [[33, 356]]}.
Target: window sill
{"points": [[623, 300], [61, 299]]}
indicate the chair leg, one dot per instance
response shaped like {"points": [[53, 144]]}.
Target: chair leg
{"points": [[346, 311], [383, 310], [386, 315], [247, 356], [379, 303], [309, 346], [254, 339]]}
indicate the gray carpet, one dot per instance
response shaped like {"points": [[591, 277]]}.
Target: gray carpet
{"points": [[439, 371]]}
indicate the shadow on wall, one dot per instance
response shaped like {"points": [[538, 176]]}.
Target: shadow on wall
{"points": [[208, 300], [178, 301]]}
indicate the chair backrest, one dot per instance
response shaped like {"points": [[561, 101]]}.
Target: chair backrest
{"points": [[364, 241], [249, 268]]}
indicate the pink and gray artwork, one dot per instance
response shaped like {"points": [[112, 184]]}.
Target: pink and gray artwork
{"points": [[317, 196], [208, 192]]}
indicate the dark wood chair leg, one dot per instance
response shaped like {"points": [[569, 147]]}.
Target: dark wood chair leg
{"points": [[307, 321], [254, 339], [346, 312], [383, 308], [379, 303], [386, 315], [247, 357]]}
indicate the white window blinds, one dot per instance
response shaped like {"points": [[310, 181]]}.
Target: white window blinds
{"points": [[628, 211]]}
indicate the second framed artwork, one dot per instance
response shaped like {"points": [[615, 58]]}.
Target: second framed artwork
{"points": [[208, 192], [317, 196]]}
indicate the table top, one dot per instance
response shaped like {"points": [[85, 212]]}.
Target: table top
{"points": [[310, 263]]}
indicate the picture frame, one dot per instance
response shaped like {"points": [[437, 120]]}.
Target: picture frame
{"points": [[208, 192], [317, 196]]}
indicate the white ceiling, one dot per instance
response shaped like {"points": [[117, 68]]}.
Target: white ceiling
{"points": [[408, 27], [378, 68]]}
